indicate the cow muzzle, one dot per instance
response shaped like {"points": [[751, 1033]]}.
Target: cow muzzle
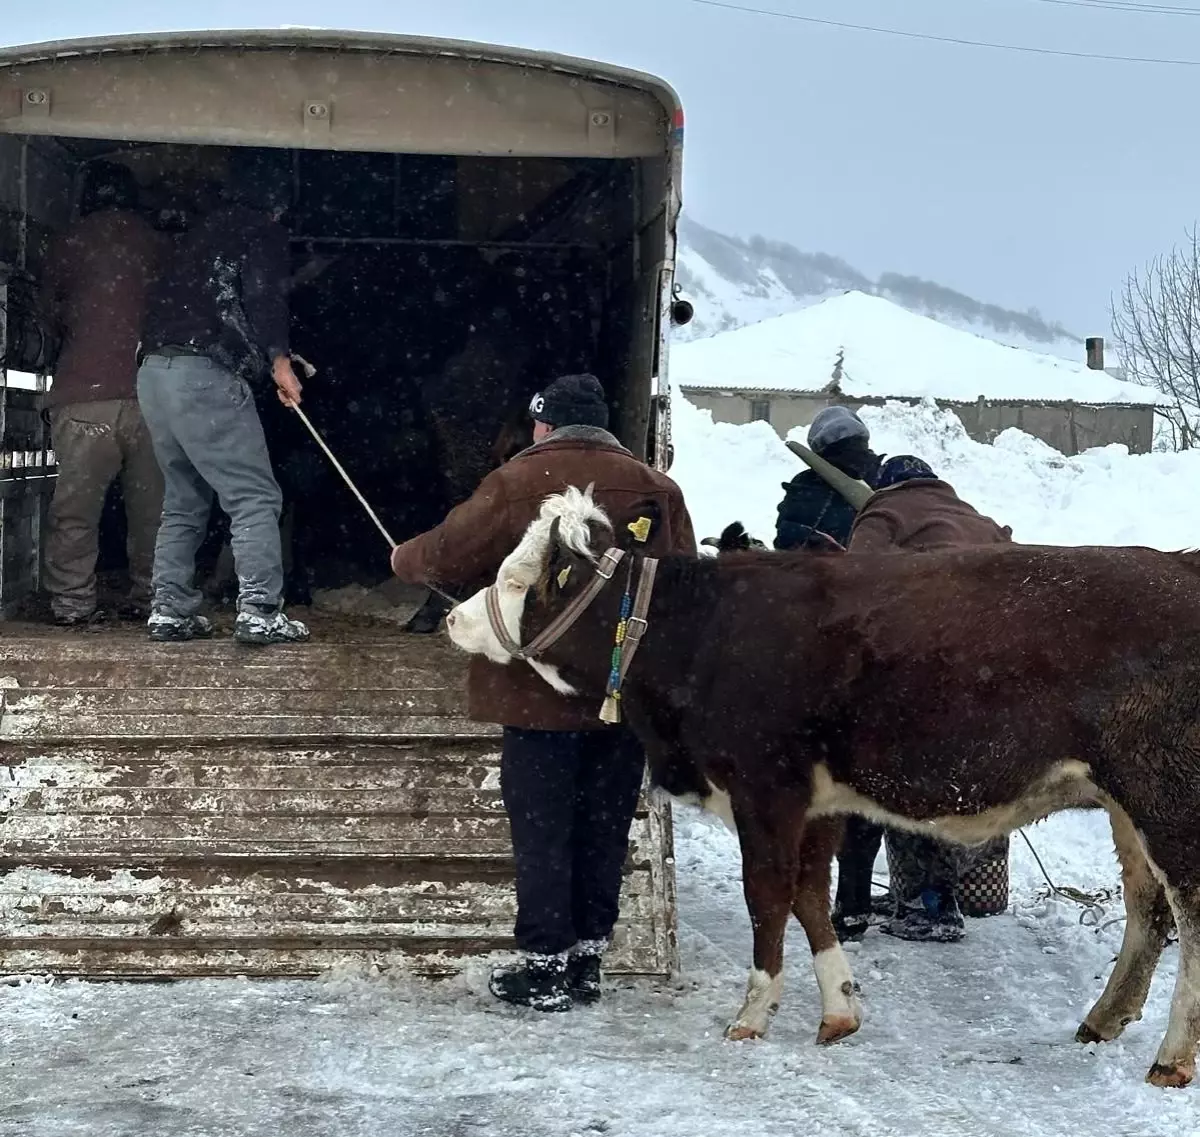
{"points": [[471, 631]]}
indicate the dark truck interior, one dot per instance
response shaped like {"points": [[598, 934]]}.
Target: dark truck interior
{"points": [[434, 295]]}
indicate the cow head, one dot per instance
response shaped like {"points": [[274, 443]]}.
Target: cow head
{"points": [[570, 530]]}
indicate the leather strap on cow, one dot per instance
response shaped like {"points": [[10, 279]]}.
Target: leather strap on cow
{"points": [[629, 636], [563, 622]]}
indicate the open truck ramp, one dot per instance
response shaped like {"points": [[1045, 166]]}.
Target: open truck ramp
{"points": [[208, 809]]}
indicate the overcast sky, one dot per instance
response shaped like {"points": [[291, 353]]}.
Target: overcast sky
{"points": [[1031, 181]]}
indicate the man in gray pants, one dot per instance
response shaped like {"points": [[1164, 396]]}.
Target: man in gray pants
{"points": [[218, 323]]}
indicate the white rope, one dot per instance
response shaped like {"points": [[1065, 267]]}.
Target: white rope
{"points": [[1092, 903], [309, 370], [345, 477]]}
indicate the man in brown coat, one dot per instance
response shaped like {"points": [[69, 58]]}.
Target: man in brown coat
{"points": [[916, 512], [569, 782], [95, 291], [913, 511]]}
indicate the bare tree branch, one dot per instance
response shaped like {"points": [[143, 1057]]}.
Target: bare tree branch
{"points": [[1156, 331]]}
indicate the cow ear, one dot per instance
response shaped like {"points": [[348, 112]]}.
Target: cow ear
{"points": [[563, 570]]}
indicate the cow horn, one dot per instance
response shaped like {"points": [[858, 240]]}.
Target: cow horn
{"points": [[854, 491]]}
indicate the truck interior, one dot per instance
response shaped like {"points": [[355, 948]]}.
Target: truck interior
{"points": [[433, 293]]}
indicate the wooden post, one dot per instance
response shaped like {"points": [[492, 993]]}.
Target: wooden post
{"points": [[1095, 352]]}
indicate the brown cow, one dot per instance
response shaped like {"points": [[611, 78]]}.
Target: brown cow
{"points": [[958, 694]]}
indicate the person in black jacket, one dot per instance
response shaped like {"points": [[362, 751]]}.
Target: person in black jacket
{"points": [[811, 512], [839, 436], [217, 326]]}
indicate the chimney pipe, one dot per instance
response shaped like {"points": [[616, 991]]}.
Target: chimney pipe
{"points": [[1095, 352]]}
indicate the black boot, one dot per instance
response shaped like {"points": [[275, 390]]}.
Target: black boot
{"points": [[537, 981], [584, 974], [425, 620], [850, 926], [856, 861]]}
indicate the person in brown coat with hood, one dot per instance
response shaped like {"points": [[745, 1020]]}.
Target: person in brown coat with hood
{"points": [[914, 511], [570, 783]]}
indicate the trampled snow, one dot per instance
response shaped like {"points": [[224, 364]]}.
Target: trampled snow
{"points": [[888, 352], [968, 1040]]}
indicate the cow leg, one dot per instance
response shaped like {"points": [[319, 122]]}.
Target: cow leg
{"points": [[1147, 925], [1175, 1063], [841, 1014], [769, 840]]}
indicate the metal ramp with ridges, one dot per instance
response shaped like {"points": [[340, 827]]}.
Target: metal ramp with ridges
{"points": [[206, 809]]}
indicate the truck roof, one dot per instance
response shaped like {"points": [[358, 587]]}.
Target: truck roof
{"points": [[334, 40]]}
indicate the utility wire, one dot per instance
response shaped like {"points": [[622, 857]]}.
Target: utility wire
{"points": [[1125, 6], [731, 7]]}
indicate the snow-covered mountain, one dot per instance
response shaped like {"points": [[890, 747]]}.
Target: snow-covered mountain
{"points": [[733, 282]]}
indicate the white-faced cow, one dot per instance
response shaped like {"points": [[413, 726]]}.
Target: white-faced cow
{"points": [[959, 695]]}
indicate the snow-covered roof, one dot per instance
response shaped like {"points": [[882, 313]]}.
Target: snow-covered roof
{"points": [[888, 352]]}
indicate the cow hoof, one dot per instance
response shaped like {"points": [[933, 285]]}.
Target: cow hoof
{"points": [[1171, 1077], [1087, 1033], [741, 1032], [835, 1028]]}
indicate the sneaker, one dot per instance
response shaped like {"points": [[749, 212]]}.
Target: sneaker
{"points": [[584, 975], [166, 627], [927, 919], [79, 619], [537, 981], [261, 626]]}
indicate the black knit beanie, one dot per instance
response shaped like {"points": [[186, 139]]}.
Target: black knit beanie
{"points": [[571, 400]]}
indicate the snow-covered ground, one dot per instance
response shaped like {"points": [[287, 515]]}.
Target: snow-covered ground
{"points": [[971, 1040]]}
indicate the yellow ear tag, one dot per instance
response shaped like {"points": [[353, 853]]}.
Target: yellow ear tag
{"points": [[562, 577], [640, 528]]}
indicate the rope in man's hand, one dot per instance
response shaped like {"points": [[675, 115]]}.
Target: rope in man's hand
{"points": [[309, 371]]}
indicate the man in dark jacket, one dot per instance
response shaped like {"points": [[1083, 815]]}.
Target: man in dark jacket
{"points": [[218, 324], [840, 437], [570, 783], [95, 289], [811, 512], [914, 511]]}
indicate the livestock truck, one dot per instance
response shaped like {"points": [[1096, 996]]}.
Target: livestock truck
{"points": [[466, 221]]}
